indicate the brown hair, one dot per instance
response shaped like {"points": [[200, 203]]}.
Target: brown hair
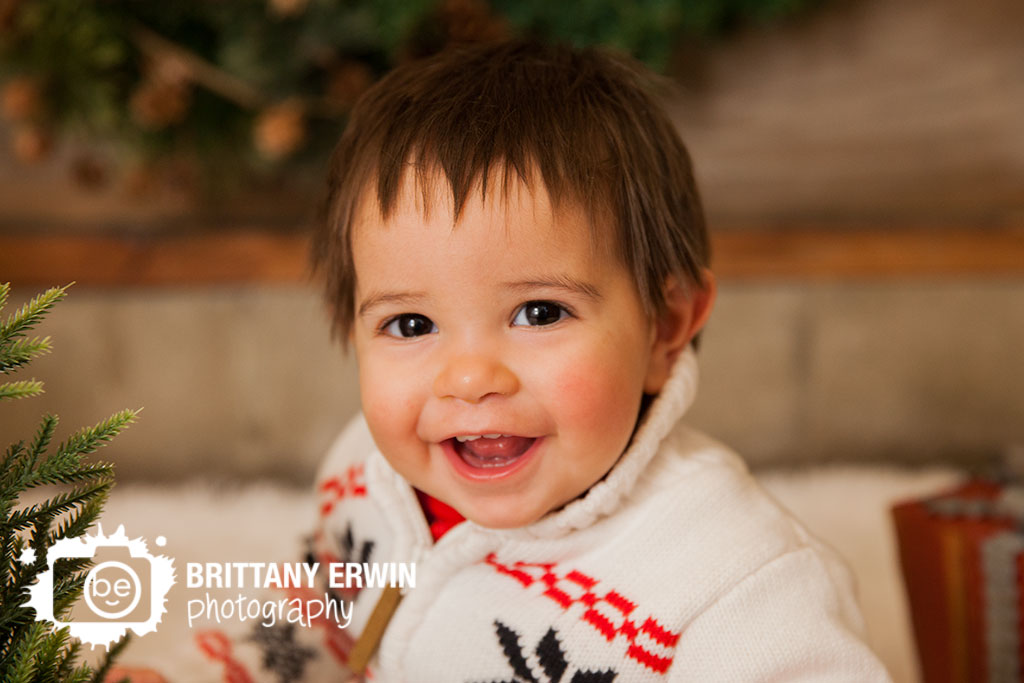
{"points": [[584, 119]]}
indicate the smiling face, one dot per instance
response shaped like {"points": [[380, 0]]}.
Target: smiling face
{"points": [[507, 324]]}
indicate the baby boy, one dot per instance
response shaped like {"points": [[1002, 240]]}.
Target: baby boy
{"points": [[515, 248]]}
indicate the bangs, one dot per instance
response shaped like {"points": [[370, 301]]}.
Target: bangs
{"points": [[580, 121]]}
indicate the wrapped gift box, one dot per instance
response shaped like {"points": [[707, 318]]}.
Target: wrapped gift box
{"points": [[962, 555]]}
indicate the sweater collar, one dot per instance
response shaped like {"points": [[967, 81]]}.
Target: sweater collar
{"points": [[607, 495]]}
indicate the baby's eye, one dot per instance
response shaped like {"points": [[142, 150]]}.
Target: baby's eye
{"points": [[409, 325], [540, 313]]}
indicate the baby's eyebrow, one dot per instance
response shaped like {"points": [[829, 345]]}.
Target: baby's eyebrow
{"points": [[377, 298], [564, 282]]}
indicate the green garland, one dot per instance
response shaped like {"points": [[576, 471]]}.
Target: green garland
{"points": [[256, 83]]}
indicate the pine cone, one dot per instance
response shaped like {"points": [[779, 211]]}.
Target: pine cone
{"points": [[32, 143], [168, 68], [89, 172], [22, 99], [8, 14], [347, 83], [280, 130], [287, 8], [141, 181], [471, 21], [158, 104]]}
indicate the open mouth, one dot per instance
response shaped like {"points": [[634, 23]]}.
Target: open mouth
{"points": [[491, 451], [489, 456]]}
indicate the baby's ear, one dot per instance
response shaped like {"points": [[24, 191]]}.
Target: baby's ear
{"points": [[684, 316]]}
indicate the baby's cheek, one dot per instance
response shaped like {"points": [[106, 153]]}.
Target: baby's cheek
{"points": [[597, 399], [391, 415]]}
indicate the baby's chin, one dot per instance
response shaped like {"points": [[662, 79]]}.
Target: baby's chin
{"points": [[499, 523], [505, 515]]}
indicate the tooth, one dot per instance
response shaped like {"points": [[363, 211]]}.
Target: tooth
{"points": [[492, 436], [463, 439]]}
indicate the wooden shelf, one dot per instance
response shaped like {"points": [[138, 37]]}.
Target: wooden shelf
{"points": [[263, 256]]}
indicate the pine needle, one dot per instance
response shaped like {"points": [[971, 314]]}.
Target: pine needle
{"points": [[28, 652], [29, 315], [108, 659], [24, 665], [89, 439], [23, 389], [22, 351], [22, 519]]}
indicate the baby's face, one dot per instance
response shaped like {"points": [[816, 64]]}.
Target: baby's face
{"points": [[504, 324]]}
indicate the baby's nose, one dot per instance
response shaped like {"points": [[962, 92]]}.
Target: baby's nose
{"points": [[471, 377]]}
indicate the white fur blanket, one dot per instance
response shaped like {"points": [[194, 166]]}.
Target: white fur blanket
{"points": [[846, 506]]}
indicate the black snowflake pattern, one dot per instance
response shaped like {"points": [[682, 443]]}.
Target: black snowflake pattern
{"points": [[349, 546], [550, 656], [281, 654]]}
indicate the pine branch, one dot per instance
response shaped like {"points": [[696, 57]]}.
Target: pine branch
{"points": [[15, 452], [22, 389], [5, 289], [67, 660], [23, 667], [20, 352], [50, 649], [108, 659], [44, 433], [28, 652], [48, 510], [79, 522], [10, 550], [68, 471], [81, 675], [29, 315], [89, 439], [67, 590], [227, 85]]}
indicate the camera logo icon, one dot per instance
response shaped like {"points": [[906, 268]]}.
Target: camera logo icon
{"points": [[126, 588]]}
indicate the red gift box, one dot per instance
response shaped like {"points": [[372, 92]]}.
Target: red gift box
{"points": [[962, 555]]}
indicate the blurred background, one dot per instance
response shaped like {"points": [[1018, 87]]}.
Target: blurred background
{"points": [[861, 163]]}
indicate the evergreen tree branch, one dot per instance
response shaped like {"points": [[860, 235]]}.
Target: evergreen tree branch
{"points": [[15, 452], [108, 659], [67, 660], [22, 389], [79, 522], [49, 650], [67, 591], [23, 667], [22, 351], [5, 289], [81, 675], [28, 652], [89, 439], [42, 439], [67, 471], [48, 510], [29, 315]]}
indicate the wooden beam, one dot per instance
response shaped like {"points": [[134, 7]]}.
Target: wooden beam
{"points": [[833, 254], [262, 256], [150, 260]]}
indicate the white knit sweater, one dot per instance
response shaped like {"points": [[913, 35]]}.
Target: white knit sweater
{"points": [[676, 566]]}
